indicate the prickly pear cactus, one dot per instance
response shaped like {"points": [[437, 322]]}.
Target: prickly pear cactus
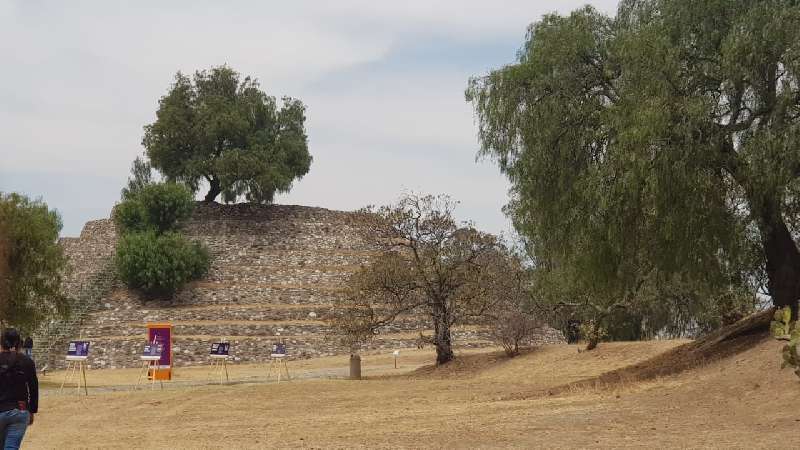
{"points": [[783, 328], [593, 333], [781, 325]]}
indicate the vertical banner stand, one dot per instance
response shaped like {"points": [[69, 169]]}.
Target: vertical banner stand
{"points": [[277, 362], [162, 334]]}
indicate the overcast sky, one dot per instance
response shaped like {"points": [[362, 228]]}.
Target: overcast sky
{"points": [[383, 82]]}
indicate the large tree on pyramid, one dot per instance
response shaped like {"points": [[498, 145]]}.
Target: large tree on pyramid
{"points": [[224, 131]]}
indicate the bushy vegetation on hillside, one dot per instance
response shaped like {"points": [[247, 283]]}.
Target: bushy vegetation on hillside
{"points": [[159, 207], [152, 255], [214, 128], [159, 264]]}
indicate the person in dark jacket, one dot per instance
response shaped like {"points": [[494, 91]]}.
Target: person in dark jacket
{"points": [[27, 347], [19, 391]]}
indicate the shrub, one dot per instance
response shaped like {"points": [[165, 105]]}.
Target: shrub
{"points": [[159, 264], [157, 206], [512, 328], [129, 216], [165, 205]]}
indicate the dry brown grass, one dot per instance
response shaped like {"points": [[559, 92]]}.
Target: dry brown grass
{"points": [[375, 364], [742, 401]]}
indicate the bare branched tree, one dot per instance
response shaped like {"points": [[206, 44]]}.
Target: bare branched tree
{"points": [[430, 266], [513, 321], [513, 328]]}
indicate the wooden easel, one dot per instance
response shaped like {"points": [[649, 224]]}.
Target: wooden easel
{"points": [[149, 367], [219, 368], [77, 364], [277, 364]]}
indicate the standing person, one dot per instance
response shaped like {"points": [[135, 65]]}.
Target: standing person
{"points": [[27, 347], [19, 391]]}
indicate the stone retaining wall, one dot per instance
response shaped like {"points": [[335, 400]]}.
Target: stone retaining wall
{"points": [[275, 271]]}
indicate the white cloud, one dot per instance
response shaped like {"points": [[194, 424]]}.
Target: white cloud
{"points": [[383, 110], [80, 79]]}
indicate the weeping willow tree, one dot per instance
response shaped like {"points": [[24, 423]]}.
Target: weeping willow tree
{"points": [[654, 156]]}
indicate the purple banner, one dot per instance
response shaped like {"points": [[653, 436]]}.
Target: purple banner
{"points": [[162, 337]]}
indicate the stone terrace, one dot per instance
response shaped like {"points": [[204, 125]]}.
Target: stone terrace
{"points": [[274, 273]]}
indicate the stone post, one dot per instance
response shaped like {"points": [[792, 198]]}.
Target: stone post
{"points": [[355, 367]]}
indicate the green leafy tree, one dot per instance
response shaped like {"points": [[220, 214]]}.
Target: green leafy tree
{"points": [[159, 264], [141, 176], [219, 129], [656, 306], [656, 148], [31, 262]]}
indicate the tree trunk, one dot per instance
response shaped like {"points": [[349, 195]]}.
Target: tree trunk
{"points": [[355, 366], [213, 191], [444, 348], [782, 258], [442, 340], [780, 251]]}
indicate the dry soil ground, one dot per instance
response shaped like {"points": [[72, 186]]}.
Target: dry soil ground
{"points": [[484, 400]]}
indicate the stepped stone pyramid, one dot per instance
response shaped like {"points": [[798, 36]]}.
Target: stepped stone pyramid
{"points": [[275, 271]]}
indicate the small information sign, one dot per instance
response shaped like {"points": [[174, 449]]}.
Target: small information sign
{"points": [[153, 350], [220, 348], [78, 350], [278, 350]]}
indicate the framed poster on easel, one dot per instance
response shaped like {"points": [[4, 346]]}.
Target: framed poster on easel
{"points": [[151, 359], [219, 354], [77, 356], [220, 350], [277, 362]]}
